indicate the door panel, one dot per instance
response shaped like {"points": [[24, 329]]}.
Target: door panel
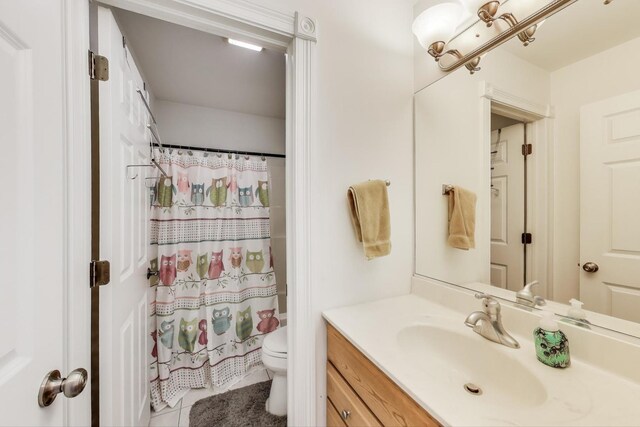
{"points": [[610, 205], [124, 321], [31, 225], [507, 208]]}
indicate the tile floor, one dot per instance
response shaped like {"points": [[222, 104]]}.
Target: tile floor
{"points": [[179, 414]]}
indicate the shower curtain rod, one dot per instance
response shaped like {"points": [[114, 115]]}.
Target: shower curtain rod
{"points": [[215, 150]]}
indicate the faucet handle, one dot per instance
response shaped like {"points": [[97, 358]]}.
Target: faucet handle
{"points": [[490, 304]]}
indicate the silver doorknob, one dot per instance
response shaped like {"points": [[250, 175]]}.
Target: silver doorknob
{"points": [[345, 414], [53, 384], [590, 267]]}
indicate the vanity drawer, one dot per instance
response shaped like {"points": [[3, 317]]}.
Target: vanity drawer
{"points": [[333, 417], [345, 399], [388, 402]]}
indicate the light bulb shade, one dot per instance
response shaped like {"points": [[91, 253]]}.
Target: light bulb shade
{"points": [[437, 24]]}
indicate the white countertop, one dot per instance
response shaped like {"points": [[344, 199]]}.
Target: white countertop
{"points": [[581, 395]]}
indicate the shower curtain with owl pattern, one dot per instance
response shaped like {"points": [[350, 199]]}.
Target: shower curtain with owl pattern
{"points": [[215, 294]]}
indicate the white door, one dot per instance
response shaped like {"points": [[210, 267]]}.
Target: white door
{"points": [[124, 308], [610, 205], [507, 208], [32, 231]]}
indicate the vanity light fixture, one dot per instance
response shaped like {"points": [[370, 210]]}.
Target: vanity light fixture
{"points": [[246, 45], [436, 26], [487, 13]]}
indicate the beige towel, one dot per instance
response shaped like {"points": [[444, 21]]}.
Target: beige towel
{"points": [[369, 208], [462, 218]]}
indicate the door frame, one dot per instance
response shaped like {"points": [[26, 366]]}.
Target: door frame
{"points": [[289, 32], [76, 157], [539, 120]]}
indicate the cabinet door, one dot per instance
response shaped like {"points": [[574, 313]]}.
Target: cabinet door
{"points": [[333, 417], [350, 407]]}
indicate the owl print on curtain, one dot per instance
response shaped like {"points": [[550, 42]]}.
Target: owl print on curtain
{"points": [[216, 267], [262, 192], [268, 321], [221, 320], [217, 299], [168, 270], [217, 192], [165, 191], [187, 334], [183, 182], [245, 196], [165, 331], [197, 194], [184, 260], [236, 257], [203, 266], [255, 261], [244, 324], [202, 339]]}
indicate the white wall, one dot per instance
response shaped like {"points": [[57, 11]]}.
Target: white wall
{"points": [[452, 128], [193, 125], [606, 74], [362, 130]]}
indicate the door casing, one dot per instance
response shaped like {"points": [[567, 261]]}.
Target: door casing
{"points": [[540, 175], [292, 33]]}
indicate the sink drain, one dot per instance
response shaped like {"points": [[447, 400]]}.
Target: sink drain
{"points": [[473, 389]]}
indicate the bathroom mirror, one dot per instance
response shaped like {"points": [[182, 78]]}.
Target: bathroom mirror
{"points": [[548, 138]]}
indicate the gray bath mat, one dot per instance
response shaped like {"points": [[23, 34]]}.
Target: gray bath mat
{"points": [[236, 408]]}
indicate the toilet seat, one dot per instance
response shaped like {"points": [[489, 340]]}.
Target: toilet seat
{"points": [[275, 344], [274, 354]]}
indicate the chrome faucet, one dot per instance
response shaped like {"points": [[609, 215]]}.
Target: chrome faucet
{"points": [[526, 297], [488, 322]]}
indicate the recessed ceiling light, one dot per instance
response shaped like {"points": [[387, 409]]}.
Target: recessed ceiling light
{"points": [[245, 45]]}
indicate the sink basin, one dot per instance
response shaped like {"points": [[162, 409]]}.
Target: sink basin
{"points": [[453, 356]]}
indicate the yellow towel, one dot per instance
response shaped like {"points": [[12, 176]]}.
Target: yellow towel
{"points": [[369, 207], [462, 218]]}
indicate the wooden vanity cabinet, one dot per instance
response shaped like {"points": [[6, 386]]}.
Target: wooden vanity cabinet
{"points": [[360, 394]]}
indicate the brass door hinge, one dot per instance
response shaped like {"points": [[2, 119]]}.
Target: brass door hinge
{"points": [[527, 149], [99, 273], [98, 67]]}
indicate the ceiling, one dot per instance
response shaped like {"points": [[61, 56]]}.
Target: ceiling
{"points": [[193, 67], [500, 122], [579, 31]]}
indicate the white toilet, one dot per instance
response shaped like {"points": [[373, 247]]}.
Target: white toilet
{"points": [[274, 358]]}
